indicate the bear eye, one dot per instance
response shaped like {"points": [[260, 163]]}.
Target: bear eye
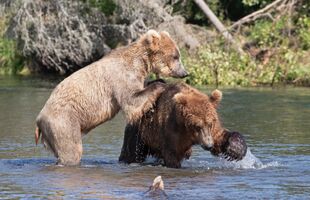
{"points": [[176, 57]]}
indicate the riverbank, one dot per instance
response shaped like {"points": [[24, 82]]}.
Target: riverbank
{"points": [[213, 65], [276, 52]]}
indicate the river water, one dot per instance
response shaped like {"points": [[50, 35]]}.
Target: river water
{"points": [[275, 123]]}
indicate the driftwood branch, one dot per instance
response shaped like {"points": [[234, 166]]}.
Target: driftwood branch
{"points": [[218, 24], [278, 5]]}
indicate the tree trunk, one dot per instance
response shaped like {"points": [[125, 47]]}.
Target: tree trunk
{"points": [[218, 24]]}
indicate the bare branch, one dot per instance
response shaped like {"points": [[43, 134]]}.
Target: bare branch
{"points": [[278, 5], [218, 24]]}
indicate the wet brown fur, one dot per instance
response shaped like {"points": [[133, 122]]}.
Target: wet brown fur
{"points": [[96, 93], [181, 118]]}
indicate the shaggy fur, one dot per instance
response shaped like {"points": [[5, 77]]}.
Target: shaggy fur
{"points": [[96, 93], [181, 118]]}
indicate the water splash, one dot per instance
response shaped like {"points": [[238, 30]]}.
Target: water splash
{"points": [[250, 161]]}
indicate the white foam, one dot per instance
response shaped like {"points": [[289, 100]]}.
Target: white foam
{"points": [[248, 162]]}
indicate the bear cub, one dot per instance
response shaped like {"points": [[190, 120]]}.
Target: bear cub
{"points": [[96, 93]]}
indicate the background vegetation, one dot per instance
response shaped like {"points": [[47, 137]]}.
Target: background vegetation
{"points": [[281, 56], [11, 61], [277, 48]]}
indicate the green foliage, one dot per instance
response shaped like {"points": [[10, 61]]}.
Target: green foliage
{"points": [[223, 9], [106, 6], [304, 31], [286, 41], [290, 66], [215, 66], [261, 3], [193, 14], [267, 33], [250, 2], [289, 40], [11, 62]]}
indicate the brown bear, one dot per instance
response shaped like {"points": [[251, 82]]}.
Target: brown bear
{"points": [[96, 93], [182, 117]]}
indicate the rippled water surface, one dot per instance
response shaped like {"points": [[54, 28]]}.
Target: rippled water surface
{"points": [[275, 123]]}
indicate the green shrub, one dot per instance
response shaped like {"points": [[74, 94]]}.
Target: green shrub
{"points": [[288, 62], [304, 32], [106, 6], [11, 61], [213, 65]]}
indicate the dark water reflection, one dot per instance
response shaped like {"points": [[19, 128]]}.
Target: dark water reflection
{"points": [[276, 123]]}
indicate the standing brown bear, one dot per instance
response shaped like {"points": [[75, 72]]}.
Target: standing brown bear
{"points": [[181, 118], [96, 93]]}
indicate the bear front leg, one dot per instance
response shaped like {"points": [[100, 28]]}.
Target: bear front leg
{"points": [[133, 150], [188, 153], [171, 159], [129, 144], [149, 82], [142, 101]]}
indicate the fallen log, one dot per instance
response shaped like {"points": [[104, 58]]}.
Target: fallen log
{"points": [[219, 26]]}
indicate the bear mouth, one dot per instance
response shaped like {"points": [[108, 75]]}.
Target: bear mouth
{"points": [[207, 148]]}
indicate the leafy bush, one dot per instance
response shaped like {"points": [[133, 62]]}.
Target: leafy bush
{"points": [[11, 61], [193, 14], [231, 10], [289, 40], [213, 65], [304, 31], [288, 43], [105, 6]]}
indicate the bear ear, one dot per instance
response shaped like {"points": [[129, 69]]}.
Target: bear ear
{"points": [[164, 34], [181, 99], [151, 39], [216, 97]]}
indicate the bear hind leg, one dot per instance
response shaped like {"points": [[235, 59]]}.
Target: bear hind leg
{"points": [[63, 138], [69, 146]]}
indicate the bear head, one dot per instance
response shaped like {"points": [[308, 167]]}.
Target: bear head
{"points": [[164, 55], [200, 116]]}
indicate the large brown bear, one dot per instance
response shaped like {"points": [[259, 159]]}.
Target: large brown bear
{"points": [[96, 93], [181, 118]]}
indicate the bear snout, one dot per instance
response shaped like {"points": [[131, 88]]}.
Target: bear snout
{"points": [[179, 72], [206, 140]]}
